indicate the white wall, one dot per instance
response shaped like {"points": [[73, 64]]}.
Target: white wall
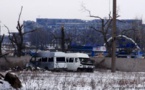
{"points": [[124, 64]]}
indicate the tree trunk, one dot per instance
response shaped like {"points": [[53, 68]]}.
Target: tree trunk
{"points": [[62, 39], [19, 51], [1, 40]]}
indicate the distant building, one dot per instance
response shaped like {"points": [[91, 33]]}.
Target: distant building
{"points": [[76, 26], [55, 24]]}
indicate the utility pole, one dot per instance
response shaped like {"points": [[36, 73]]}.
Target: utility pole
{"points": [[113, 68]]}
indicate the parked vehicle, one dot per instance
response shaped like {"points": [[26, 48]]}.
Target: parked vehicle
{"points": [[62, 61]]}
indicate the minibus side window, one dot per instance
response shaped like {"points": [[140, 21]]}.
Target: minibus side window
{"points": [[50, 59], [39, 60], [60, 59], [71, 59], [44, 59]]}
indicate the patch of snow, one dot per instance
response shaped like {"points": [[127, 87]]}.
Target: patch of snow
{"points": [[99, 80], [5, 85]]}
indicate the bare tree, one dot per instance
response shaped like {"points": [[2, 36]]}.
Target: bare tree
{"points": [[17, 39], [106, 25], [63, 39], [104, 29]]}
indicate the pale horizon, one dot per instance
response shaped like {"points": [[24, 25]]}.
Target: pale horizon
{"points": [[66, 9]]}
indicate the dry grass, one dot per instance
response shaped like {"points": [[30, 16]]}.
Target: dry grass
{"points": [[13, 62]]}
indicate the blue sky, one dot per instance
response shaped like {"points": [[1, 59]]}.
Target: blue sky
{"points": [[32, 9]]}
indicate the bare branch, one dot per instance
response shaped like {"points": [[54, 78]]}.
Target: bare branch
{"points": [[11, 38], [7, 29], [109, 20], [87, 10], [20, 13], [126, 30], [109, 23], [96, 17], [96, 29], [30, 31], [110, 17]]}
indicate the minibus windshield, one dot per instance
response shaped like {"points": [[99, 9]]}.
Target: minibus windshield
{"points": [[86, 61]]}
